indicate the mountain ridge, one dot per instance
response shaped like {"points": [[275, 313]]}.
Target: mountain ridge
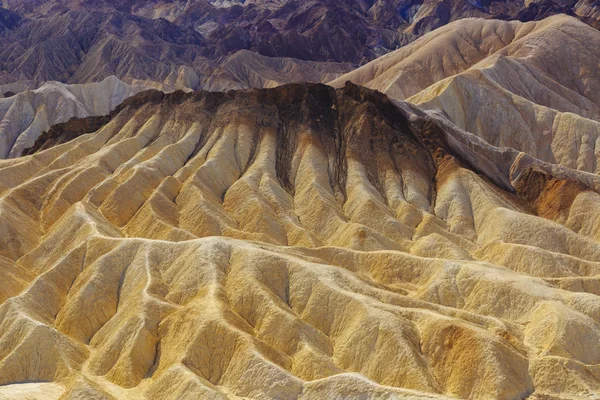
{"points": [[529, 86], [184, 40]]}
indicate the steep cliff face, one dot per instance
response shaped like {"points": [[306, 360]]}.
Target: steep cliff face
{"points": [[296, 242]]}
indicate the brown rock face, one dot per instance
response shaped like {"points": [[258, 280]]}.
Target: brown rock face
{"points": [[66, 131], [549, 196]]}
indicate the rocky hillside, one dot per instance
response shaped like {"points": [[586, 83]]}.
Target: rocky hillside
{"points": [[26, 115], [296, 242], [187, 210]]}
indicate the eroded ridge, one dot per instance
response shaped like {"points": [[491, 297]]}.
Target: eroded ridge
{"points": [[533, 86], [301, 242]]}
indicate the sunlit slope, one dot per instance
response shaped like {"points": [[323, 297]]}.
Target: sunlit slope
{"points": [[24, 116]]}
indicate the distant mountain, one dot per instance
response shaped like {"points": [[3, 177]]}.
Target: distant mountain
{"points": [[179, 44], [80, 46]]}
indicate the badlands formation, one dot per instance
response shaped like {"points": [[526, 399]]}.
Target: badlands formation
{"points": [[29, 113], [312, 242], [300, 242]]}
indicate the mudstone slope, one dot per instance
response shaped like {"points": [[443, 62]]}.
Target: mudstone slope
{"points": [[26, 115]]}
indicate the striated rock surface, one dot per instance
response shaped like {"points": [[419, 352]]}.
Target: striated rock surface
{"points": [[24, 116], [301, 242]]}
